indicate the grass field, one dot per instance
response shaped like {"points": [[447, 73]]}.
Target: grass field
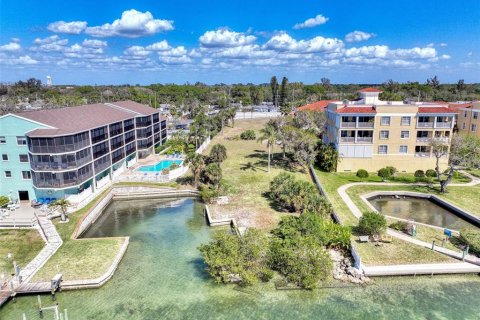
{"points": [[397, 252], [79, 259], [24, 244], [245, 172]]}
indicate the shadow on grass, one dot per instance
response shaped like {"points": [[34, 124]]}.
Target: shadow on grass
{"points": [[278, 161], [251, 166]]}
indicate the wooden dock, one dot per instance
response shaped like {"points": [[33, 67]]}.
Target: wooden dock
{"points": [[34, 287]]}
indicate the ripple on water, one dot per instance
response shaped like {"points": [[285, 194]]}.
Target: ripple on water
{"points": [[162, 277]]}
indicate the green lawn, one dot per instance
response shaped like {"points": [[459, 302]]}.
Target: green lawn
{"points": [[24, 244], [245, 171], [80, 258], [398, 252]]}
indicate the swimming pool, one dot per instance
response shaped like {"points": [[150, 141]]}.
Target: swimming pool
{"points": [[159, 166]]}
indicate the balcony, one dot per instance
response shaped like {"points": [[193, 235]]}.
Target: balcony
{"points": [[425, 125], [348, 125], [443, 125], [347, 139], [430, 139], [364, 139], [422, 154], [365, 124]]}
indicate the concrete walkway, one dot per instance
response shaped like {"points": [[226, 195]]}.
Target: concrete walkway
{"points": [[53, 241], [418, 269], [342, 191]]}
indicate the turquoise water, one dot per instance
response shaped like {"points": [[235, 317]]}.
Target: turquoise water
{"points": [[159, 166], [162, 277]]}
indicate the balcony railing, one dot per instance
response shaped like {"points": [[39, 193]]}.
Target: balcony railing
{"points": [[365, 139], [347, 139], [425, 125], [422, 154], [430, 139], [443, 125], [365, 124], [348, 124], [424, 139], [57, 166]]}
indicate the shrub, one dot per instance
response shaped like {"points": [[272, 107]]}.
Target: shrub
{"points": [[297, 195], [431, 173], [4, 201], [399, 226], [392, 170], [248, 135], [165, 171], [419, 174], [471, 237], [327, 157], [174, 166], [362, 173], [384, 173], [212, 175], [372, 223], [208, 193], [228, 257]]}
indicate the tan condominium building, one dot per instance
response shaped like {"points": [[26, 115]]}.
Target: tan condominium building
{"points": [[468, 119], [371, 134]]}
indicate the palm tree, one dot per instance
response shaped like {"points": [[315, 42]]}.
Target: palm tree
{"points": [[62, 205], [270, 135], [197, 164], [218, 153], [213, 174]]}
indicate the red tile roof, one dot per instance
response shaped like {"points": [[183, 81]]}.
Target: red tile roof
{"points": [[370, 110], [370, 89], [436, 110], [460, 105], [316, 106]]}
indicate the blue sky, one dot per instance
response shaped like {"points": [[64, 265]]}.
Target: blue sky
{"points": [[118, 42]]}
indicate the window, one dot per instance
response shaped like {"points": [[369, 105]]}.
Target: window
{"points": [[2, 140], [4, 157], [464, 126], [405, 134], [21, 141], [23, 157], [385, 121], [8, 174], [475, 115], [474, 127], [406, 121], [26, 175], [464, 114], [382, 149], [403, 149], [384, 134]]}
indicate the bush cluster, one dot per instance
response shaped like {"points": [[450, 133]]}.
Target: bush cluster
{"points": [[296, 250], [419, 174], [372, 223], [296, 195], [362, 173], [399, 226], [431, 173], [248, 135], [471, 237]]}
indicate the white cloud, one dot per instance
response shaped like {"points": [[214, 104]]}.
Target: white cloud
{"points": [[445, 57], [22, 60], [175, 60], [443, 44], [357, 36], [132, 24], [225, 38], [312, 22], [174, 52], [93, 43], [284, 42], [50, 44], [73, 27], [137, 51], [470, 54], [10, 47], [158, 46]]}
